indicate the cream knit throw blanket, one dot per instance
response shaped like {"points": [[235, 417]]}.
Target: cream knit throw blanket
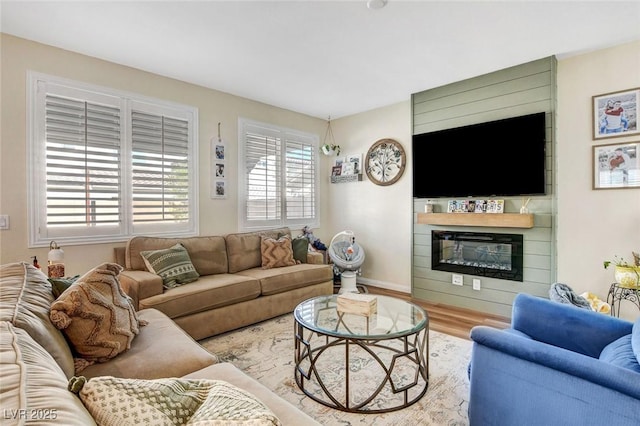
{"points": [[118, 402]]}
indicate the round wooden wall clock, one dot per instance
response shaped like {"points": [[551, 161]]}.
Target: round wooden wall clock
{"points": [[385, 162]]}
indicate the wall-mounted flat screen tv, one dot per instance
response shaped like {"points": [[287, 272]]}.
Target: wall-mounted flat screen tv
{"points": [[497, 158]]}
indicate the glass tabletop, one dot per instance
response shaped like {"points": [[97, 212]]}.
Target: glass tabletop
{"points": [[393, 318]]}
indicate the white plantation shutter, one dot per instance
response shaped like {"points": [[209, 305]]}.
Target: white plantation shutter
{"points": [[278, 176], [83, 173], [105, 165], [300, 178], [160, 169]]}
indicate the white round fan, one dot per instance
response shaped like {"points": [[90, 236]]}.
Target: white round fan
{"points": [[347, 257]]}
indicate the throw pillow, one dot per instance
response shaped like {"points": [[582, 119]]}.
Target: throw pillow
{"points": [[59, 285], [172, 264], [276, 253], [96, 316], [117, 401], [300, 247]]}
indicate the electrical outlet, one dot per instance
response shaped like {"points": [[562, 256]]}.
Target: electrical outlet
{"points": [[476, 284], [456, 279]]}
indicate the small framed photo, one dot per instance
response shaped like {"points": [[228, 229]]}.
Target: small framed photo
{"points": [[616, 166], [219, 150], [616, 114], [219, 189], [355, 162], [336, 170]]}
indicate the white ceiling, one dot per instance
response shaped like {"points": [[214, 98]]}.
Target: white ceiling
{"points": [[324, 58]]}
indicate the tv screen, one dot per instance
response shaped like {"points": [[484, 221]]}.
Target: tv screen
{"points": [[498, 158]]}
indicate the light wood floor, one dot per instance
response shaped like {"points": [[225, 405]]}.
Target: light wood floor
{"points": [[448, 319]]}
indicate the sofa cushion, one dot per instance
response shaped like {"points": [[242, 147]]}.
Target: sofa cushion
{"points": [[209, 292], [173, 265], [619, 353], [96, 315], [154, 352], [25, 300], [244, 249], [208, 254], [115, 401], [276, 253], [33, 384], [635, 339], [279, 280]]}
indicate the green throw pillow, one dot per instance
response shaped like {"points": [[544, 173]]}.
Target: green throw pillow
{"points": [[59, 285], [300, 249], [172, 264]]}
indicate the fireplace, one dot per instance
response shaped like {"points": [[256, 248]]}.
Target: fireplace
{"points": [[475, 253]]}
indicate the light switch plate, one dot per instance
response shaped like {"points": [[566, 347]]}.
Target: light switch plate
{"points": [[476, 284], [4, 221]]}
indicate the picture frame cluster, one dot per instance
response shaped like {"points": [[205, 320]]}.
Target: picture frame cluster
{"points": [[616, 165], [475, 206], [218, 169]]}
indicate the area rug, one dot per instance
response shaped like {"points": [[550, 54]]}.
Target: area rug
{"points": [[265, 352]]}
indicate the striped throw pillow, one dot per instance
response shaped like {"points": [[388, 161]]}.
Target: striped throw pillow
{"points": [[172, 264]]}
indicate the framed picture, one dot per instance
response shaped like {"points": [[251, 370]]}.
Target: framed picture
{"points": [[616, 114], [355, 162], [218, 168], [616, 166]]}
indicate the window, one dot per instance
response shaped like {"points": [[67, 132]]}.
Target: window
{"points": [[105, 165], [278, 181]]}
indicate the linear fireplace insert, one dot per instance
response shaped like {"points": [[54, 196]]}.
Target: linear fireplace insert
{"points": [[476, 253]]}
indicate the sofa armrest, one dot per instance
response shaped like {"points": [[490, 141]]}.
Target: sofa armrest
{"points": [[544, 355], [140, 285], [566, 326]]}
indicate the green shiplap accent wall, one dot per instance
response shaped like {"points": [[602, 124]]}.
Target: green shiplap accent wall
{"points": [[519, 90]]}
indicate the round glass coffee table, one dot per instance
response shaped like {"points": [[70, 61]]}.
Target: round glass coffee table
{"points": [[357, 363]]}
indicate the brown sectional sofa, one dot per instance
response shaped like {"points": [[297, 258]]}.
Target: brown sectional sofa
{"points": [[36, 362], [233, 289]]}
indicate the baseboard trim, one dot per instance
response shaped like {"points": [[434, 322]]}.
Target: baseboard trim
{"points": [[384, 284]]}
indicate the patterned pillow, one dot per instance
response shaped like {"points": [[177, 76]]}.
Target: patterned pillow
{"points": [[96, 316], [172, 264], [116, 401], [276, 253]]}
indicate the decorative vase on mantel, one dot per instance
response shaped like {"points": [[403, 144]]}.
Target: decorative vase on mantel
{"points": [[628, 276]]}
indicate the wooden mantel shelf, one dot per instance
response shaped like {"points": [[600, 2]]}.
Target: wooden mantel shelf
{"points": [[498, 220]]}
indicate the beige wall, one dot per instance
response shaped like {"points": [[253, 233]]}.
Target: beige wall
{"points": [[592, 225], [216, 216], [380, 216]]}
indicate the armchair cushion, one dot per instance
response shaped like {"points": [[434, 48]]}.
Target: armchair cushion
{"points": [[566, 326], [619, 353], [635, 339]]}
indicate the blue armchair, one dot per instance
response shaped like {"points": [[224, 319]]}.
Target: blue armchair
{"points": [[557, 365]]}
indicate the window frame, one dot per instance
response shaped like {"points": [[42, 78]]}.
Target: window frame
{"points": [[283, 134], [38, 86]]}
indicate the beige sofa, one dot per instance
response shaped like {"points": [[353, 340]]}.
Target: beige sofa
{"points": [[36, 362], [233, 289]]}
